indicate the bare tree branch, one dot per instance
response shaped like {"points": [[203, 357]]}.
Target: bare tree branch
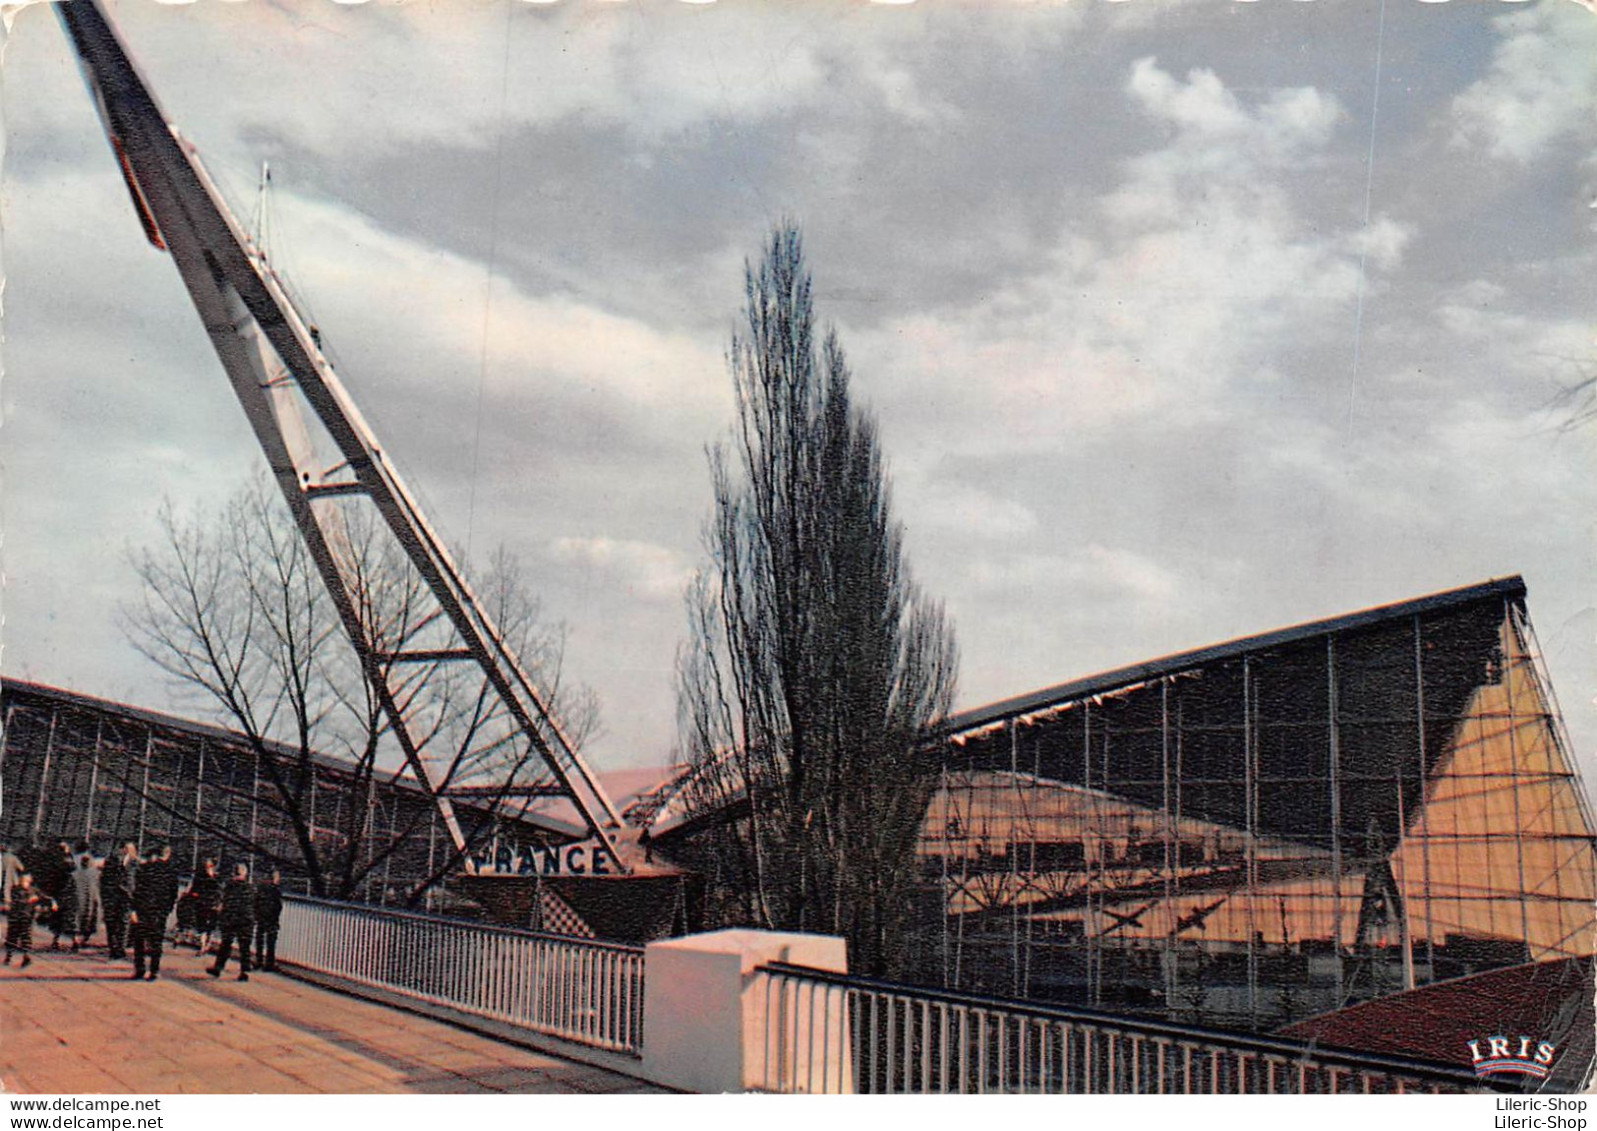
{"points": [[233, 607]]}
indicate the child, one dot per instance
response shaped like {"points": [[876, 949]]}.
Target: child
{"points": [[19, 919]]}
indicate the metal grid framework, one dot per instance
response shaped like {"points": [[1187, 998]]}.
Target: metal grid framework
{"points": [[1269, 830], [75, 768]]}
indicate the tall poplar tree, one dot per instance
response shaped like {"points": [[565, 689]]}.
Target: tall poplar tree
{"points": [[815, 668]]}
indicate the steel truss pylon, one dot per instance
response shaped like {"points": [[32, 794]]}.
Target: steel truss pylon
{"points": [[275, 364]]}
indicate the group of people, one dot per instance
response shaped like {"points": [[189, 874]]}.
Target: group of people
{"points": [[71, 891], [62, 890]]}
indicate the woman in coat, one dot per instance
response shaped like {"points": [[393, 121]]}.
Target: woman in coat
{"points": [[205, 889], [85, 898]]}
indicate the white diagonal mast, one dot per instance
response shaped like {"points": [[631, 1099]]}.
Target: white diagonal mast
{"points": [[276, 366]]}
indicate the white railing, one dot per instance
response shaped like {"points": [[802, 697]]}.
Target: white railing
{"points": [[836, 1033], [587, 992]]}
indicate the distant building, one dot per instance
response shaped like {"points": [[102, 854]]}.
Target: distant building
{"points": [[79, 768]]}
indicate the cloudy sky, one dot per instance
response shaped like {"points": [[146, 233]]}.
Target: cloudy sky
{"points": [[1183, 321]]}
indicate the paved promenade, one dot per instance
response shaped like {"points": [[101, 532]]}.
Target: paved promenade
{"points": [[80, 1024]]}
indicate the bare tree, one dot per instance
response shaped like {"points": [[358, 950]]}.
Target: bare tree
{"points": [[815, 667], [232, 607]]}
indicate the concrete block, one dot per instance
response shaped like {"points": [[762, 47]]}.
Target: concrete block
{"points": [[712, 1024]]}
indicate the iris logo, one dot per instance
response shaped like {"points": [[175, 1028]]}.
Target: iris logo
{"points": [[1503, 1055]]}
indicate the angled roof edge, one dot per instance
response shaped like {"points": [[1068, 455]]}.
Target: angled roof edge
{"points": [[533, 814], [165, 721], [1512, 587], [178, 725]]}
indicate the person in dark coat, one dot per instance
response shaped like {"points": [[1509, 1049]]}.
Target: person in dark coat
{"points": [[154, 896], [22, 903], [236, 922], [268, 913], [116, 892], [55, 883], [205, 889]]}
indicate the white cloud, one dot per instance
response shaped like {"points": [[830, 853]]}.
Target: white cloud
{"points": [[1093, 572], [1203, 104], [1218, 145], [1218, 132], [963, 509], [642, 569], [1194, 275], [442, 300], [480, 69], [1541, 87], [1384, 242], [1521, 346], [1140, 576]]}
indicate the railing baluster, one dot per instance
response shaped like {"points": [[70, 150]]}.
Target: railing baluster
{"points": [[1003, 1054], [962, 1049], [981, 1052], [772, 982], [1022, 1046], [942, 1047], [908, 1051]]}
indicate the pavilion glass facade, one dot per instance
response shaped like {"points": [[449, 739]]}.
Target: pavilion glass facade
{"points": [[76, 768], [1267, 830]]}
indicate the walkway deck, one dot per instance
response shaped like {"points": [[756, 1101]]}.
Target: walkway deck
{"points": [[80, 1024]]}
